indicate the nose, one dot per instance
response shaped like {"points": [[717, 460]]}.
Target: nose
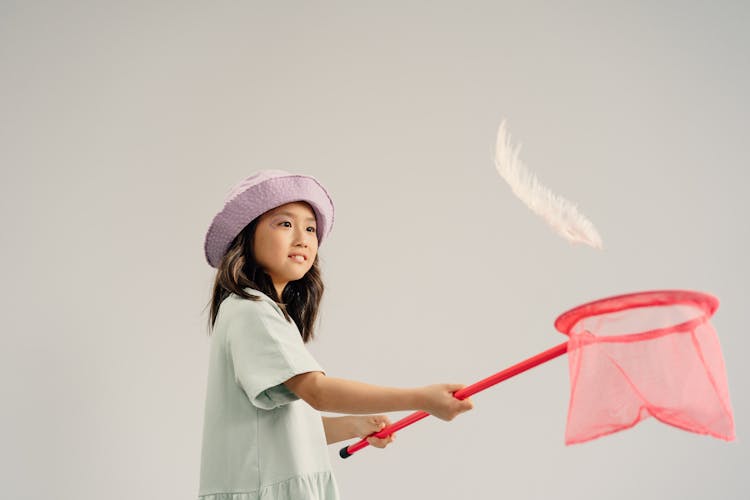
{"points": [[302, 237]]}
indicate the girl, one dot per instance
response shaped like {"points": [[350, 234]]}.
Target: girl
{"points": [[263, 435]]}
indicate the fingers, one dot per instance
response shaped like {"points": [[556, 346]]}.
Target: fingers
{"points": [[459, 406], [454, 387], [381, 443], [379, 422], [466, 403]]}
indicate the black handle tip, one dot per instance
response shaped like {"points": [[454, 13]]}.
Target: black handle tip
{"points": [[344, 452]]}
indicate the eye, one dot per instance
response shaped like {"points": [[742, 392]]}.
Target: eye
{"points": [[286, 222], [313, 229]]}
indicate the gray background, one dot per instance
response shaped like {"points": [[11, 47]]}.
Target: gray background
{"points": [[125, 123]]}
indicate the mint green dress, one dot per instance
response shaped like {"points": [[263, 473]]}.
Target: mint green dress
{"points": [[260, 441]]}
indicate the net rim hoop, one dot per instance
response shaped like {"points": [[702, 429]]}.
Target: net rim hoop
{"points": [[567, 320]]}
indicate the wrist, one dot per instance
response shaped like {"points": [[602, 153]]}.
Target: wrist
{"points": [[418, 401], [350, 424]]}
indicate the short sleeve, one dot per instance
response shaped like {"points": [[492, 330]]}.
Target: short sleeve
{"points": [[266, 350]]}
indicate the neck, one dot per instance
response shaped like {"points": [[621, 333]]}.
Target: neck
{"points": [[279, 289]]}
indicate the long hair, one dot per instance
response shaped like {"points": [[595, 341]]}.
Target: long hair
{"points": [[238, 269]]}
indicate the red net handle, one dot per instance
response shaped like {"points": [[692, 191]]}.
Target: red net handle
{"points": [[464, 393]]}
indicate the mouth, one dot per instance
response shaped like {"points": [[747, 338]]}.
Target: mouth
{"points": [[298, 258]]}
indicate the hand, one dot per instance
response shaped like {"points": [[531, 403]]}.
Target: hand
{"points": [[440, 401], [364, 425]]}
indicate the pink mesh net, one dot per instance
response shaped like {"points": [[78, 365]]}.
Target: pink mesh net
{"points": [[645, 354]]}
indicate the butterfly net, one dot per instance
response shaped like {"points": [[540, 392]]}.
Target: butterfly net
{"points": [[651, 354]]}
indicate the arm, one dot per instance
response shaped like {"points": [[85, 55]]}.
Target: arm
{"points": [[353, 426], [348, 396], [338, 429]]}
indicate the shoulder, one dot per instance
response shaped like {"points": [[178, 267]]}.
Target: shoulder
{"points": [[236, 309], [255, 323], [238, 305]]}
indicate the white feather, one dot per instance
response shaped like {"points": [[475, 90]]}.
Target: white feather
{"points": [[558, 212]]}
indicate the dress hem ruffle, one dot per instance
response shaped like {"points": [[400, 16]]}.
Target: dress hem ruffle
{"points": [[315, 486]]}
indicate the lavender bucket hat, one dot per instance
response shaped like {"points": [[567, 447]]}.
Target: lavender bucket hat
{"points": [[259, 193]]}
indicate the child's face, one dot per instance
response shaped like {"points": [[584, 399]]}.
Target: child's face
{"points": [[284, 231]]}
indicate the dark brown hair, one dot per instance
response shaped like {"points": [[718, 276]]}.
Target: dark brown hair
{"points": [[238, 269]]}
